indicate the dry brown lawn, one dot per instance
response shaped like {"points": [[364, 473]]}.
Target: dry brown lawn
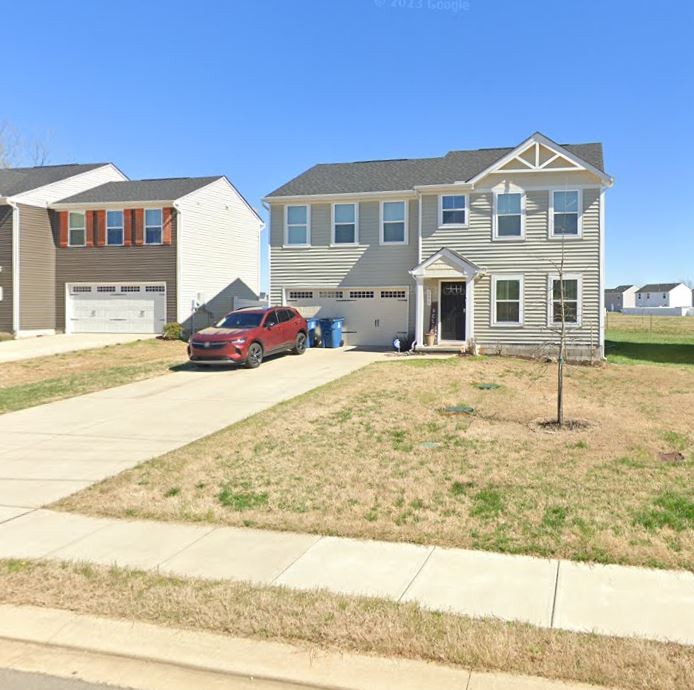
{"points": [[372, 455], [371, 626], [44, 379]]}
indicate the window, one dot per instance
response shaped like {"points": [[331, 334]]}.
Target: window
{"points": [[153, 225], [393, 294], [285, 315], [564, 214], [241, 320], [453, 210], [114, 227], [361, 294], [106, 288], [507, 299], [394, 222], [300, 294], [77, 236], [509, 215], [130, 288], [271, 319], [297, 226], [77, 289], [155, 288], [345, 220], [571, 286], [330, 294]]}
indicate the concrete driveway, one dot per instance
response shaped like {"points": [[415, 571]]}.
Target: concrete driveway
{"points": [[51, 451], [45, 345]]}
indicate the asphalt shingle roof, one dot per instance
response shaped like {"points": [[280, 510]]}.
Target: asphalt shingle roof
{"points": [[620, 288], [402, 174], [658, 287], [17, 180], [167, 189]]}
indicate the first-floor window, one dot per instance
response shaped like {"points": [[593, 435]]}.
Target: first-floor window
{"points": [[566, 298], [508, 299], [297, 226], [345, 224], [78, 229], [393, 230], [153, 226], [114, 227]]}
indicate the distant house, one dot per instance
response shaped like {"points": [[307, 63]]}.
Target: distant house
{"points": [[664, 295], [621, 296]]}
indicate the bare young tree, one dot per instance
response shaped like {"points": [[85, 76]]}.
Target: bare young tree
{"points": [[19, 151]]}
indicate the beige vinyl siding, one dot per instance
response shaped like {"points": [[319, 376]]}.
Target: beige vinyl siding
{"points": [[36, 270], [6, 281], [535, 257], [368, 265], [114, 265]]}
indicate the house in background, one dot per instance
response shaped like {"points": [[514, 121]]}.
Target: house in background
{"points": [[464, 248], [664, 295], [620, 297], [85, 250]]}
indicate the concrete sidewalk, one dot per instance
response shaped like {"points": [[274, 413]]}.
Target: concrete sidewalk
{"points": [[53, 450], [149, 657], [609, 600]]}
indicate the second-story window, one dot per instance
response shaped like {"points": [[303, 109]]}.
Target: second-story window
{"points": [[508, 222], [565, 214], [77, 229], [393, 222], [114, 228], [297, 226], [453, 210], [153, 226], [345, 224]]}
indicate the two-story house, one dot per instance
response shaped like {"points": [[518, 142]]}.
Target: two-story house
{"points": [[664, 295], [621, 297], [83, 250], [458, 250]]}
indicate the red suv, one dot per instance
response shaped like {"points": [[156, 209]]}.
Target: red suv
{"points": [[246, 336]]}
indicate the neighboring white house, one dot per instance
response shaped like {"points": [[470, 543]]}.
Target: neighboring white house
{"points": [[621, 296], [664, 295]]}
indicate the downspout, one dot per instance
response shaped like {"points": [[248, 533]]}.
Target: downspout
{"points": [[601, 297], [268, 208], [179, 234], [15, 267]]}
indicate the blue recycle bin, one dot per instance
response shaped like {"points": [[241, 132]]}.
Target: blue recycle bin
{"points": [[311, 324], [331, 332]]}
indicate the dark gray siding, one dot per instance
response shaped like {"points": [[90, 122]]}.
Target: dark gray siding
{"points": [[115, 264], [36, 270], [6, 264]]}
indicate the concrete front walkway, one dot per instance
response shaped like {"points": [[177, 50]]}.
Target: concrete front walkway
{"points": [[50, 451], [45, 345], [610, 600]]}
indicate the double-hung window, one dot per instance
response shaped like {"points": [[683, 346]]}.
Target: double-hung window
{"points": [[565, 300], [394, 222], [509, 216], [565, 216], [345, 220], [114, 228], [453, 210], [77, 229], [297, 223], [153, 226], [507, 300]]}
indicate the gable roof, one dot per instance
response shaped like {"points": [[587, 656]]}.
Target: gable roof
{"points": [[164, 189], [405, 174], [621, 288], [659, 287], [450, 257], [18, 180]]}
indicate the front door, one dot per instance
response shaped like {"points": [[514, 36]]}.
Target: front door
{"points": [[452, 311]]}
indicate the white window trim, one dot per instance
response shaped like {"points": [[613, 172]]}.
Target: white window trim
{"points": [[333, 243], [550, 300], [286, 244], [144, 226], [443, 225], [495, 219], [521, 299], [579, 234], [69, 234], [381, 223], [121, 227]]}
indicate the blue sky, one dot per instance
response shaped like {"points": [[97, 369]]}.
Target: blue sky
{"points": [[260, 90]]}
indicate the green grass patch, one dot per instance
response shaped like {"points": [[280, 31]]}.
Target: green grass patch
{"points": [[241, 500], [487, 504], [670, 509]]}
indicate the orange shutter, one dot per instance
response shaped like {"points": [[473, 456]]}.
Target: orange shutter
{"points": [[62, 224], [139, 226], [89, 225], [100, 228], [167, 214], [127, 227]]}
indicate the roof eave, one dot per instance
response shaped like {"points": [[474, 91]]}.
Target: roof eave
{"points": [[58, 205]]}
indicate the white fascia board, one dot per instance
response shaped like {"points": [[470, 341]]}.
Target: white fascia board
{"points": [[451, 188], [111, 204], [325, 198]]}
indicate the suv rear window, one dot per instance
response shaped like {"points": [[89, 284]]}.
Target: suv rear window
{"points": [[240, 319]]}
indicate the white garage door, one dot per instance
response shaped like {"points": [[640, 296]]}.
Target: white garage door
{"points": [[373, 316], [116, 308]]}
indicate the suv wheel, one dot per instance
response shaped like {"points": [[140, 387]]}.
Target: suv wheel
{"points": [[255, 356], [300, 344]]}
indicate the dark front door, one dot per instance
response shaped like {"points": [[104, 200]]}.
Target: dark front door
{"points": [[452, 311]]}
